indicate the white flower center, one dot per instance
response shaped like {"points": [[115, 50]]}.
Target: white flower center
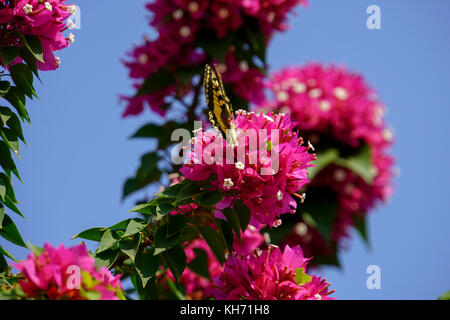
{"points": [[28, 8], [239, 165], [299, 87], [324, 105], [388, 135], [339, 175], [193, 6], [177, 14], [185, 31], [71, 38], [318, 296], [243, 66], [228, 183], [271, 17], [279, 195], [143, 58], [48, 6], [315, 93], [340, 93], [301, 229], [282, 96], [223, 13]]}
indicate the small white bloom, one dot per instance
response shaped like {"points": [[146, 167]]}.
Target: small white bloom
{"points": [[221, 67], [299, 87], [301, 229], [223, 13], [193, 6], [310, 146], [70, 24], [315, 93], [271, 17], [340, 93], [268, 118], [71, 37], [239, 165], [143, 58], [388, 135], [228, 183], [279, 195], [318, 296], [324, 105], [266, 237], [339, 175], [28, 8], [48, 6], [185, 31], [58, 61], [243, 65], [177, 14], [282, 96]]}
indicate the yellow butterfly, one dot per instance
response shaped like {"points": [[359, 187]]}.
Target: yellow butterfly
{"points": [[220, 108]]}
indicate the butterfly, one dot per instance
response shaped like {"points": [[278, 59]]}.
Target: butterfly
{"points": [[220, 108]]}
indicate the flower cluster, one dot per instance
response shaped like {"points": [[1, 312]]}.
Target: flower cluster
{"points": [[200, 288], [43, 19], [334, 107], [270, 275], [61, 273], [183, 28], [265, 169]]}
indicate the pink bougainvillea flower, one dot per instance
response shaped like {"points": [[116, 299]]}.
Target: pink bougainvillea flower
{"points": [[67, 273], [182, 27], [270, 275], [43, 19], [332, 104], [268, 167]]}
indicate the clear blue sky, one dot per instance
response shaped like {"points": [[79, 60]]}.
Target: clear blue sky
{"points": [[79, 155]]}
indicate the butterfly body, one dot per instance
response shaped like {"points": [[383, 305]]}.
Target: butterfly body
{"points": [[220, 108]]}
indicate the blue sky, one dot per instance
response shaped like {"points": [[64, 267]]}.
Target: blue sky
{"points": [[78, 153]]}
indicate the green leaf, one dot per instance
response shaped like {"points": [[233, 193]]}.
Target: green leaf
{"points": [[9, 189], [200, 263], [445, 296], [156, 82], [319, 210], [5, 114], [146, 265], [243, 213], [108, 240], [33, 44], [9, 54], [10, 204], [323, 160], [173, 190], [135, 226], [164, 208], [301, 277], [176, 223], [163, 242], [360, 164], [225, 232], [36, 249], [175, 259], [360, 225], [2, 214], [210, 198], [10, 232], [188, 192], [233, 219], [30, 60], [214, 242], [93, 234], [130, 247], [17, 99], [4, 252], [4, 88], [23, 78], [145, 208], [2, 190], [106, 258], [11, 140], [13, 122]]}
